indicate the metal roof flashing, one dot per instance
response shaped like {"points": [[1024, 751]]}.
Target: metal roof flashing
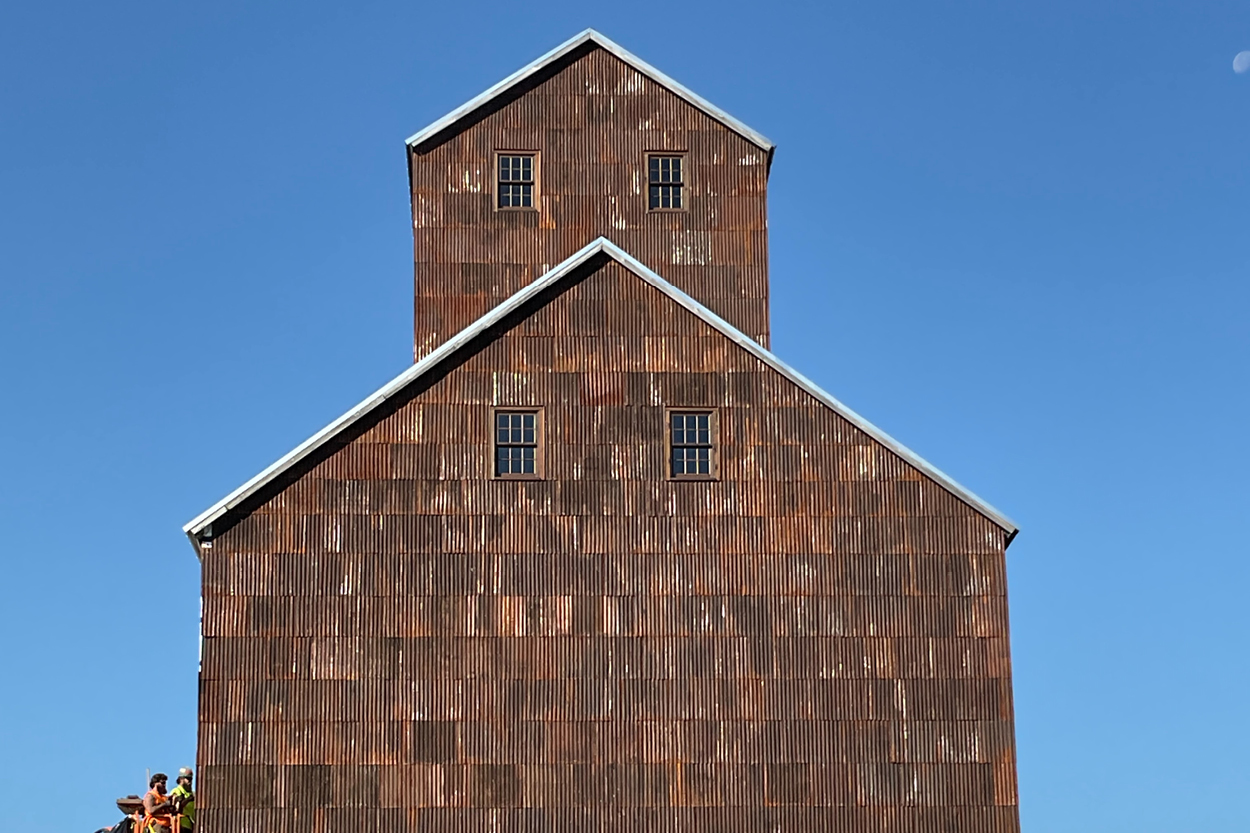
{"points": [[197, 528], [607, 44]]}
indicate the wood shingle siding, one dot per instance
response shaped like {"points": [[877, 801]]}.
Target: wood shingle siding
{"points": [[395, 639]]}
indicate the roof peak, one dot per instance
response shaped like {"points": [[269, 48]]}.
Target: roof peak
{"points": [[604, 42]]}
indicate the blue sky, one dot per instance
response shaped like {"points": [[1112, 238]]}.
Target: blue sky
{"points": [[1015, 236]]}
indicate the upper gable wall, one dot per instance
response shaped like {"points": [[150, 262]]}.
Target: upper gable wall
{"points": [[592, 119]]}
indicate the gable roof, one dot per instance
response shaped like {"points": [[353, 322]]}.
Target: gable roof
{"points": [[602, 246], [591, 36]]}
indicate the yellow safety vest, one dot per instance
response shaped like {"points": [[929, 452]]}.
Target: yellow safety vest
{"points": [[188, 809]]}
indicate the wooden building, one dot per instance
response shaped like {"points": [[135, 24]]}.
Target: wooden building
{"points": [[598, 560]]}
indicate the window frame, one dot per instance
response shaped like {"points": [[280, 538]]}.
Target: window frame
{"points": [[684, 185], [540, 443], [714, 446], [536, 174]]}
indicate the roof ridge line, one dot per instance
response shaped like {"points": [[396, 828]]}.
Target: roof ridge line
{"points": [[682, 91]]}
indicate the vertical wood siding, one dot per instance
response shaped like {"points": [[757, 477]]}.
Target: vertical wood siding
{"points": [[816, 641], [592, 120]]}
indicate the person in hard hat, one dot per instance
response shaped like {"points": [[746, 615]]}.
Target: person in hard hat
{"points": [[156, 804], [184, 799]]}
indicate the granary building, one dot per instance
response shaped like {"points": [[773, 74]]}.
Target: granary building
{"points": [[598, 560]]}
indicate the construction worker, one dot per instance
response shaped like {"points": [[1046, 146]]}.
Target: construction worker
{"points": [[156, 806], [184, 798]]}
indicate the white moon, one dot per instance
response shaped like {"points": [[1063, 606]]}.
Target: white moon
{"points": [[1242, 62]]}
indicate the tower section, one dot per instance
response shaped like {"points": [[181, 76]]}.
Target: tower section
{"points": [[587, 141]]}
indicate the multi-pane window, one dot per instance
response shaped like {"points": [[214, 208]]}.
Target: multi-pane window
{"points": [[516, 443], [664, 175], [516, 181], [690, 441]]}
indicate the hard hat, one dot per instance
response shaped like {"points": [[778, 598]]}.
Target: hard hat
{"points": [[185, 772]]}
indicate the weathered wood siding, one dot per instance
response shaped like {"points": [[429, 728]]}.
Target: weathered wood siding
{"points": [[592, 119], [397, 641]]}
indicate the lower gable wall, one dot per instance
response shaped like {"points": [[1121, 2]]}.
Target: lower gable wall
{"points": [[817, 640]]}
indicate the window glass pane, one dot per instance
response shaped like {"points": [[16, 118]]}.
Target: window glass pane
{"points": [[676, 201], [516, 443], [516, 177], [677, 169], [691, 440], [654, 168]]}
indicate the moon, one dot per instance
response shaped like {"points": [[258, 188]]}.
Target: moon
{"points": [[1242, 62]]}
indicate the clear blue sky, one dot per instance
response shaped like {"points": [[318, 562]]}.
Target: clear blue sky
{"points": [[1016, 236]]}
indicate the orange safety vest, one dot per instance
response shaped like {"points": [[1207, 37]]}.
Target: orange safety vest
{"points": [[163, 820]]}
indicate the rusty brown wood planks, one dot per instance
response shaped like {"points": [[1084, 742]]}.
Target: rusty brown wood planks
{"points": [[817, 640]]}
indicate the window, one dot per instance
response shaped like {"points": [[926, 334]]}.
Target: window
{"points": [[516, 180], [691, 435], [664, 173], [516, 444]]}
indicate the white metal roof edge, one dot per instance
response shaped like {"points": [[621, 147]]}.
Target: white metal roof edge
{"points": [[196, 526], [769, 358], [619, 51]]}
